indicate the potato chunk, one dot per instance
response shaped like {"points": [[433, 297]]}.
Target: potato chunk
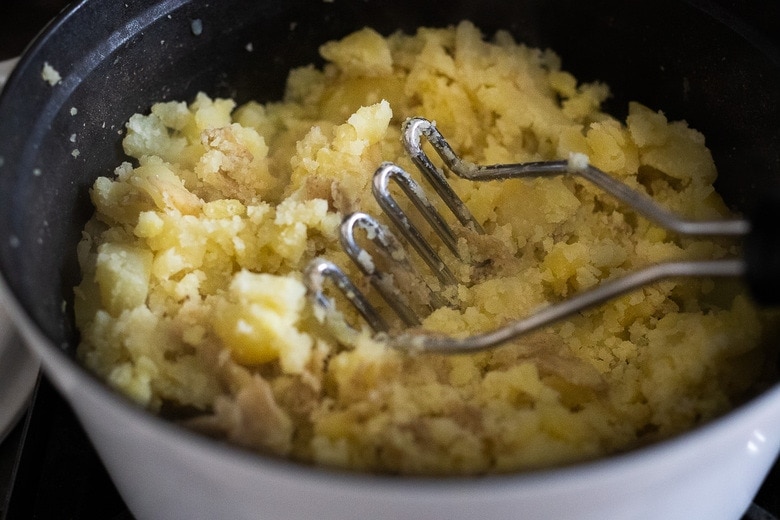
{"points": [[122, 273], [257, 321]]}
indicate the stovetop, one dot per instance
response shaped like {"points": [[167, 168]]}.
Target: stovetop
{"points": [[50, 470]]}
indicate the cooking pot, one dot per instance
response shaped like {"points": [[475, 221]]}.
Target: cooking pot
{"points": [[117, 58]]}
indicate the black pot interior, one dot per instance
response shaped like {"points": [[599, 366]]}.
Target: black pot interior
{"points": [[117, 58]]}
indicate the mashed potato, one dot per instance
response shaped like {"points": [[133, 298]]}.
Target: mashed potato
{"points": [[192, 302]]}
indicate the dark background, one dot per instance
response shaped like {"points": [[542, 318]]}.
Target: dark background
{"points": [[48, 470], [20, 20]]}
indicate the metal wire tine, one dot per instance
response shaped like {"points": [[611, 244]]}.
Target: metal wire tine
{"points": [[314, 278], [384, 282], [432, 342], [416, 128], [381, 188], [413, 130]]}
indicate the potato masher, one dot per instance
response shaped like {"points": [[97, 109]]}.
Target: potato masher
{"points": [[760, 263]]}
